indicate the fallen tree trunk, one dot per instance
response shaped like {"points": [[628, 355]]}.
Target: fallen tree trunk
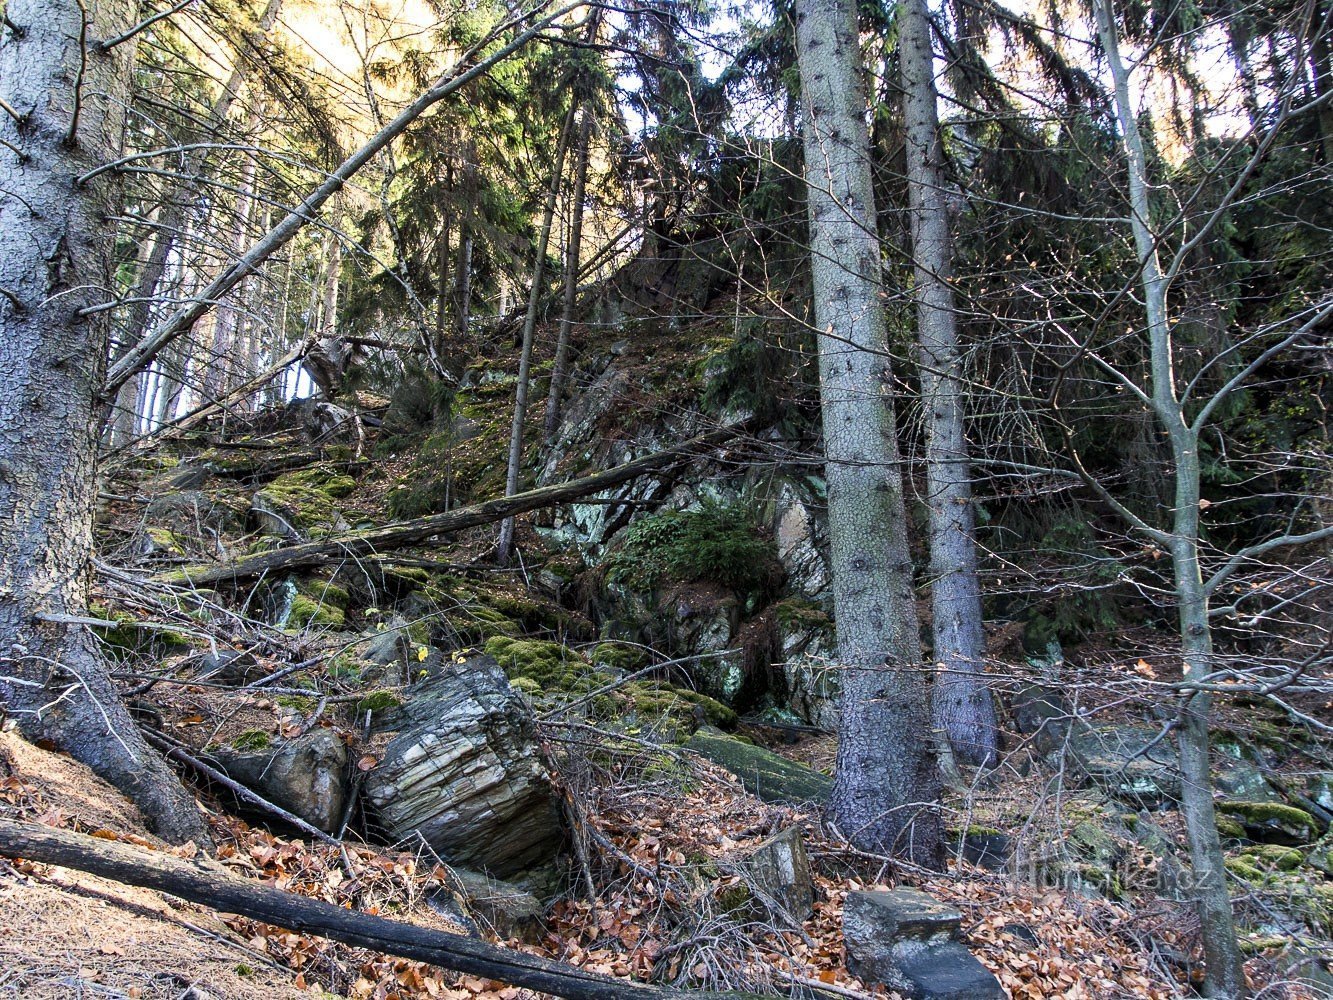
{"points": [[390, 536], [213, 887]]}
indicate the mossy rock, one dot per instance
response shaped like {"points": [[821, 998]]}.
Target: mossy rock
{"points": [[1320, 856], [1273, 822], [378, 701], [555, 667], [302, 503], [661, 704], [1228, 828], [620, 656], [796, 615], [307, 612], [527, 685], [1272, 857], [764, 774]]}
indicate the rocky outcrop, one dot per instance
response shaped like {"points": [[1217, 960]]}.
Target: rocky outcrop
{"points": [[462, 771], [910, 943]]}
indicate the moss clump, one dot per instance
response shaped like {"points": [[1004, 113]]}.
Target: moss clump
{"points": [[1272, 817], [552, 666], [526, 685], [620, 656], [298, 702], [252, 741], [1229, 829], [309, 613], [305, 499], [719, 542], [1273, 857], [798, 615], [378, 701], [681, 706]]}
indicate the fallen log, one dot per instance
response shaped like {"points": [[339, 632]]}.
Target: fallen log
{"points": [[350, 544], [211, 886]]}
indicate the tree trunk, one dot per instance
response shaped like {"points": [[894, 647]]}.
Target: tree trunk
{"points": [[886, 785], [962, 707], [514, 462], [55, 260], [1224, 975], [560, 371]]}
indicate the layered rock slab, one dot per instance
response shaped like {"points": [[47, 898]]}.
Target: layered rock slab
{"points": [[463, 772]]}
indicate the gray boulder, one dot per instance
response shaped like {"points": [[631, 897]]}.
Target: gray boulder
{"points": [[306, 776], [780, 870], [483, 903], [463, 772], [909, 942]]}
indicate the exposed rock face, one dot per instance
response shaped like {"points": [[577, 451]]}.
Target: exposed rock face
{"points": [[306, 776], [909, 942], [799, 537], [781, 870], [1135, 763], [463, 772]]}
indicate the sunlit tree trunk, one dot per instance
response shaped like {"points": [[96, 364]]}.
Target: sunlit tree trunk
{"points": [[55, 261], [1224, 965], [961, 703], [514, 463], [886, 784], [560, 371]]}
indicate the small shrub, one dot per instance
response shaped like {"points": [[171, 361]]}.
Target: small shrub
{"points": [[720, 542]]}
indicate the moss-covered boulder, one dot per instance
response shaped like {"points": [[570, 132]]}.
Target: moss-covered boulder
{"points": [[763, 773], [1272, 822], [312, 603], [555, 667], [301, 505]]}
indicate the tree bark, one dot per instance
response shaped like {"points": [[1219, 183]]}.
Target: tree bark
{"points": [[962, 708], [358, 543], [886, 785], [514, 461], [1224, 966], [55, 260], [211, 885], [560, 371]]}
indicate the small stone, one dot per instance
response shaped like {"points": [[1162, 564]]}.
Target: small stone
{"points": [[1042, 713], [780, 870], [500, 907]]}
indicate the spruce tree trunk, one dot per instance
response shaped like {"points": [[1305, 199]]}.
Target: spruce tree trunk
{"points": [[55, 259], [514, 463], [886, 784], [962, 708], [1224, 972], [560, 372]]}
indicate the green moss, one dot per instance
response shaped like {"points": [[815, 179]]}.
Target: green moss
{"points": [[1253, 945], [527, 685], [553, 666], [306, 499], [658, 699], [794, 614], [166, 541], [378, 701], [299, 702], [308, 613], [719, 543], [770, 777], [1229, 828], [252, 741], [620, 656], [1273, 857], [1272, 815]]}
